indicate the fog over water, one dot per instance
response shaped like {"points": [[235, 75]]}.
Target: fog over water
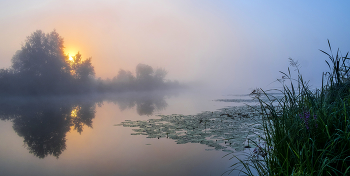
{"points": [[78, 135]]}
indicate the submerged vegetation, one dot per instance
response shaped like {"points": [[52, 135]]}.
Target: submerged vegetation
{"points": [[305, 132], [41, 67]]}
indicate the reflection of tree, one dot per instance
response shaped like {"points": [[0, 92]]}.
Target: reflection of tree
{"points": [[146, 103], [44, 123], [43, 132], [83, 116]]}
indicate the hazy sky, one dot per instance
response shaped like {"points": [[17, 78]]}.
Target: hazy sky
{"points": [[226, 45]]}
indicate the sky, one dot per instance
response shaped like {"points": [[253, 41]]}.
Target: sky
{"points": [[227, 46]]}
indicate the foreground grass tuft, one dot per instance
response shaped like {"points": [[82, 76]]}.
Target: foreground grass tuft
{"points": [[306, 132]]}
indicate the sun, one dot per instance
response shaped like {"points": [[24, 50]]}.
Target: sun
{"points": [[70, 52], [70, 58]]}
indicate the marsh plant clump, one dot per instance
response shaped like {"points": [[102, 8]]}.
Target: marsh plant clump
{"points": [[229, 129], [306, 132]]}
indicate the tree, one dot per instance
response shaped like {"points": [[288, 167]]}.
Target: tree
{"points": [[40, 66], [41, 55], [160, 74], [124, 77], [82, 70], [143, 71]]}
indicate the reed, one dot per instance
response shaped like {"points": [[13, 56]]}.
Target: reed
{"points": [[306, 132]]}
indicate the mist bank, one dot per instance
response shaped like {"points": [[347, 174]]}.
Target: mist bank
{"points": [[146, 79], [41, 67]]}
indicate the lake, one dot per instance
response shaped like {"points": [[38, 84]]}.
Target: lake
{"points": [[128, 134]]}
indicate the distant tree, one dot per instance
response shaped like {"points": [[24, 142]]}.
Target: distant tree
{"points": [[124, 77], [160, 74], [143, 71]]}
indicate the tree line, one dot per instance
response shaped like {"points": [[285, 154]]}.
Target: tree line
{"points": [[41, 67]]}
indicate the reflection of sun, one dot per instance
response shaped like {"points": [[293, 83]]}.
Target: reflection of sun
{"points": [[74, 112]]}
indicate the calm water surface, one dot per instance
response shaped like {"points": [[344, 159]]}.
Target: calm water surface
{"points": [[77, 136]]}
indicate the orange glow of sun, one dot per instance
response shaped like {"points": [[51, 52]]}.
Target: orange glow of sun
{"points": [[71, 51]]}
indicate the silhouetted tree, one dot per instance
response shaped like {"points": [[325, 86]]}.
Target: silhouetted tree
{"points": [[82, 70], [40, 66], [41, 55], [83, 73]]}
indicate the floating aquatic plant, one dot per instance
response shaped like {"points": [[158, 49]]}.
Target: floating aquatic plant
{"points": [[227, 129]]}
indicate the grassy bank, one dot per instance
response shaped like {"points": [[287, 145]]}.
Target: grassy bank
{"points": [[307, 132]]}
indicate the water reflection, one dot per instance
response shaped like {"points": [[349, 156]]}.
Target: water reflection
{"points": [[44, 122], [145, 103]]}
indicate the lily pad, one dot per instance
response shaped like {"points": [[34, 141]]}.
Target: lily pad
{"points": [[226, 129]]}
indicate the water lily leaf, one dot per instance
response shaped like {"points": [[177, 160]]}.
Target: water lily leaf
{"points": [[221, 129]]}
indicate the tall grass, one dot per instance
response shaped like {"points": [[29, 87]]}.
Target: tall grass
{"points": [[306, 132]]}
